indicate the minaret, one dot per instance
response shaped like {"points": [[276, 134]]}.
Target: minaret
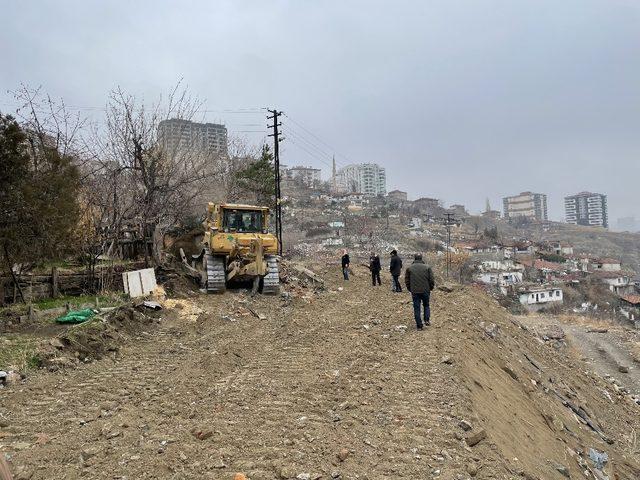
{"points": [[333, 176], [488, 206]]}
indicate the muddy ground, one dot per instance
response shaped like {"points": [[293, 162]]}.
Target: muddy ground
{"points": [[337, 384]]}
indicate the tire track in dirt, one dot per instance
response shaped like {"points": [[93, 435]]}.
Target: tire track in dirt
{"points": [[330, 386]]}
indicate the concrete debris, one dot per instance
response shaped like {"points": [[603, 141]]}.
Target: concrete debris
{"points": [[599, 459], [152, 305]]}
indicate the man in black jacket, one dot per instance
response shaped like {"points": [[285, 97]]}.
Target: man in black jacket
{"points": [[375, 267], [420, 282], [345, 265], [395, 267]]}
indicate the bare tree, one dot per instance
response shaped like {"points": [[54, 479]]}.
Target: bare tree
{"points": [[148, 182]]}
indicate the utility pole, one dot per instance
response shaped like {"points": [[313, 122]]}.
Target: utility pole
{"points": [[448, 222], [276, 157]]}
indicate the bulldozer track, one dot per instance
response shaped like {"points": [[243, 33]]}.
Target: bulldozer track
{"points": [[216, 277], [271, 282]]}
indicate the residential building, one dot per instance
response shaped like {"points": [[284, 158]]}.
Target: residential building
{"points": [[458, 210], [588, 209], [397, 196], [308, 176], [606, 265], [536, 298], [177, 134], [527, 204], [618, 282], [562, 248], [367, 178], [428, 206], [501, 279]]}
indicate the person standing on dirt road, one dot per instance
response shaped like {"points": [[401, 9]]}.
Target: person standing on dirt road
{"points": [[375, 267], [345, 264], [395, 267], [419, 280]]}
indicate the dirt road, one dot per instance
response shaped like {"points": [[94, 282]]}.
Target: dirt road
{"points": [[336, 385], [343, 385]]}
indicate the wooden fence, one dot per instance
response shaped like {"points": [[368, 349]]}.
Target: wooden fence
{"points": [[57, 284]]}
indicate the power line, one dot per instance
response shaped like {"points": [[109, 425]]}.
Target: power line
{"points": [[318, 138], [297, 134], [302, 147], [302, 143]]}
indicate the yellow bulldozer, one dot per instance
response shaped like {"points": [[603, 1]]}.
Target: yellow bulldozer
{"points": [[237, 246]]}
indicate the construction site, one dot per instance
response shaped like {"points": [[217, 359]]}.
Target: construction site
{"points": [[319, 240]]}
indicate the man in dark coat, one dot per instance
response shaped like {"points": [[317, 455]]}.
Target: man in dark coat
{"points": [[345, 265], [375, 267], [419, 280], [395, 267]]}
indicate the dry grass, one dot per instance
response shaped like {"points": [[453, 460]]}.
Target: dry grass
{"points": [[588, 322]]}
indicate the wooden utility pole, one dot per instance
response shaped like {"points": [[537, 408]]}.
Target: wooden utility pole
{"points": [[276, 157], [448, 222]]}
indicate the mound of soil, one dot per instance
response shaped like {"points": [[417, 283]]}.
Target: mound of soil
{"points": [[94, 339]]}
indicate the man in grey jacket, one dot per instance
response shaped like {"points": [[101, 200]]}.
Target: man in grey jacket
{"points": [[419, 280]]}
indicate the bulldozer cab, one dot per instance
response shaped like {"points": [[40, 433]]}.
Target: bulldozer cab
{"points": [[243, 221]]}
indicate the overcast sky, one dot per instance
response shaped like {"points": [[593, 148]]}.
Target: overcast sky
{"points": [[458, 99]]}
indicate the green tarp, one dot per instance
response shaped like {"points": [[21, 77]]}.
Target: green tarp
{"points": [[77, 316]]}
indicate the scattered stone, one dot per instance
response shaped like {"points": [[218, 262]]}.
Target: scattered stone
{"points": [[472, 469], [476, 438], [56, 343], [564, 471], [509, 371], [343, 454], [464, 425], [12, 378], [304, 476], [89, 452], [446, 359], [446, 287], [336, 475], [623, 369], [598, 330], [239, 476], [491, 330], [201, 434], [553, 332]]}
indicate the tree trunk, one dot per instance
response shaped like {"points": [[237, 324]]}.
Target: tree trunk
{"points": [[13, 275]]}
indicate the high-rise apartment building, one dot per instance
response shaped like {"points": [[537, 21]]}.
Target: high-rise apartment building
{"points": [[175, 134], [367, 178], [586, 208], [308, 176], [527, 204]]}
